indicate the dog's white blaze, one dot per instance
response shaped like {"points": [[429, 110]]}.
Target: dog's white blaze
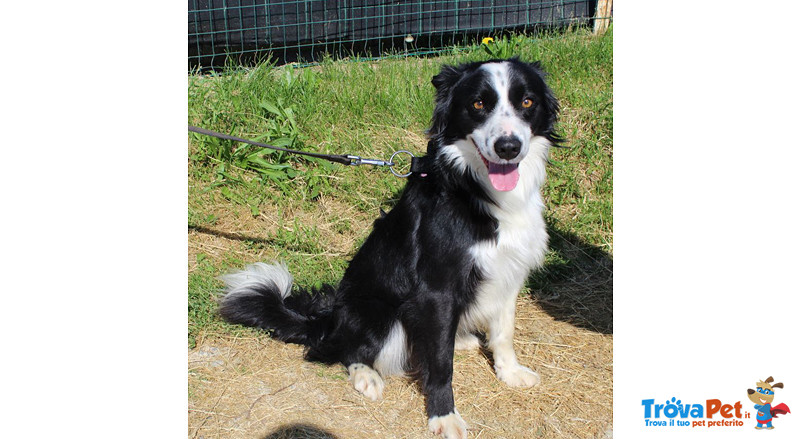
{"points": [[392, 358], [245, 282], [503, 121]]}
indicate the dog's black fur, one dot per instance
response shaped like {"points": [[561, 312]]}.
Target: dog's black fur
{"points": [[416, 267]]}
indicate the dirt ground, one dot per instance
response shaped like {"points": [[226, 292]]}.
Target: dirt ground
{"points": [[260, 388]]}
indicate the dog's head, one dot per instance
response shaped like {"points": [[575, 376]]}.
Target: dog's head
{"points": [[765, 391], [491, 114]]}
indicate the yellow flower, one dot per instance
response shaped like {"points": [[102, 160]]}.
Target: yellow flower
{"points": [[487, 40]]}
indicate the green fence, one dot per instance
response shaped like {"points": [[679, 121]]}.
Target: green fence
{"points": [[307, 30]]}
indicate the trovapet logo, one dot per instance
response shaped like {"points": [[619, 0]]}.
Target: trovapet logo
{"points": [[711, 413], [715, 413]]}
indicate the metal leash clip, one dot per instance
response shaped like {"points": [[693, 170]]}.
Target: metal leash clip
{"points": [[357, 161]]}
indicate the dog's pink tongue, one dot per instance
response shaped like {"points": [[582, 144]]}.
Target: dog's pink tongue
{"points": [[504, 177]]}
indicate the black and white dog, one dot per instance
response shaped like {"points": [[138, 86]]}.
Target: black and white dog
{"points": [[446, 263]]}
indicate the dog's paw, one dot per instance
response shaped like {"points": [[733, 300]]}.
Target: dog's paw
{"points": [[467, 342], [517, 376], [366, 381], [450, 426]]}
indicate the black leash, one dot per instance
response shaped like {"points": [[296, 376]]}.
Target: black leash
{"points": [[348, 160]]}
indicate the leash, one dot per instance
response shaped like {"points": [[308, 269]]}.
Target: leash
{"points": [[347, 160]]}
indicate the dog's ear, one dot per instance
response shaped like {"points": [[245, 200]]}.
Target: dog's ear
{"points": [[446, 79], [778, 385], [549, 104], [552, 106], [444, 82]]}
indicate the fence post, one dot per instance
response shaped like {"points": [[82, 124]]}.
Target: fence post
{"points": [[602, 16]]}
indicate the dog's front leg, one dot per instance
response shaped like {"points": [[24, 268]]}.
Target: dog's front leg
{"points": [[501, 343], [433, 342]]}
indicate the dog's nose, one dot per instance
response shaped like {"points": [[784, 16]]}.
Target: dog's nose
{"points": [[507, 147]]}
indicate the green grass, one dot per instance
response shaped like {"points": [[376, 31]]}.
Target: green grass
{"points": [[295, 209]]}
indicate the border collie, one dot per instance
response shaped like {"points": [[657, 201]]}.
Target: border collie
{"points": [[446, 264]]}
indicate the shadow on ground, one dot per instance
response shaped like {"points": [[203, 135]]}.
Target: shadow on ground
{"points": [[299, 431], [229, 235], [576, 283]]}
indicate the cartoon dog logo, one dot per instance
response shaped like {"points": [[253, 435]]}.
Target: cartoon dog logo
{"points": [[763, 396]]}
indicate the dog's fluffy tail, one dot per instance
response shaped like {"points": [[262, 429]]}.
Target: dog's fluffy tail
{"points": [[260, 296]]}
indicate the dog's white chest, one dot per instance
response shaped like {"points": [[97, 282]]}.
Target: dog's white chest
{"points": [[505, 264], [521, 230], [520, 246]]}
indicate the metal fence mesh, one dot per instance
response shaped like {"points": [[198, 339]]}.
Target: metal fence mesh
{"points": [[243, 31]]}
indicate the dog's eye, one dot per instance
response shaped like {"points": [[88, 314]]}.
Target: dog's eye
{"points": [[478, 105], [527, 103]]}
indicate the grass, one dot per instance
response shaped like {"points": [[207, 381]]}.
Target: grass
{"points": [[247, 204]]}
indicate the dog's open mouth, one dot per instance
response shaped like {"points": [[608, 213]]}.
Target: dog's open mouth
{"points": [[504, 177]]}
